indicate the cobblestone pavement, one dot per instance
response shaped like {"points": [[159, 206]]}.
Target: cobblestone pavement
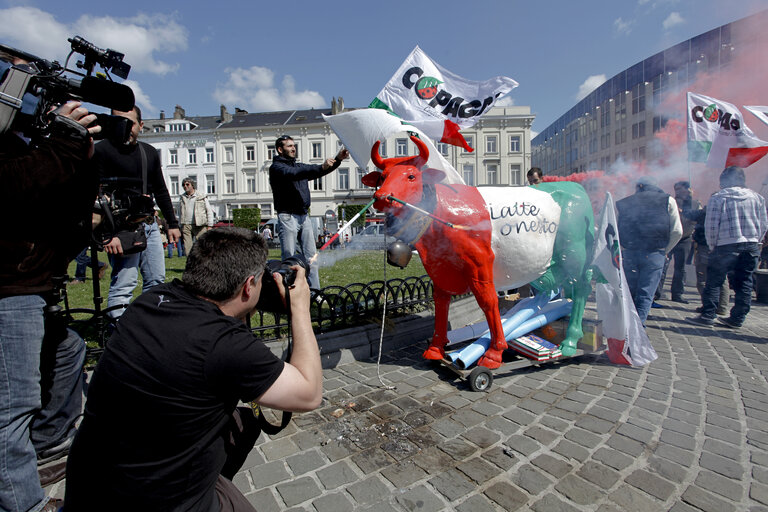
{"points": [[687, 432]]}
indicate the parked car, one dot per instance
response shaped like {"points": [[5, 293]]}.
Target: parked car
{"points": [[373, 237]]}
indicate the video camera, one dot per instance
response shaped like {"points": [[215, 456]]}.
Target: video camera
{"points": [[31, 88], [270, 299]]}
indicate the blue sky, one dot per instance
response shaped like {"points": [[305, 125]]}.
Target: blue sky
{"points": [[263, 56]]}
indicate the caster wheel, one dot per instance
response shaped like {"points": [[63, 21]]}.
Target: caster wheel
{"points": [[480, 379]]}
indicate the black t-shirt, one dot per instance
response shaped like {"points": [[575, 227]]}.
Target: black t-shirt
{"points": [[159, 400]]}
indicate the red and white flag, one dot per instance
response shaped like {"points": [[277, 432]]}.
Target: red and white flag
{"points": [[438, 102], [760, 112], [718, 135], [628, 342]]}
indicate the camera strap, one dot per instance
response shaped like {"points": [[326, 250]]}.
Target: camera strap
{"points": [[143, 169]]}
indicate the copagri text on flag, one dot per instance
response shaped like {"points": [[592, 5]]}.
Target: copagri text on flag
{"points": [[718, 135], [438, 102]]}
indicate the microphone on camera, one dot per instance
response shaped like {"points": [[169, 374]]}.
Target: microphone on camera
{"points": [[104, 92]]}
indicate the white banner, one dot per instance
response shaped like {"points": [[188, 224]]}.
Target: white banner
{"points": [[718, 135], [761, 112], [425, 94], [628, 342]]}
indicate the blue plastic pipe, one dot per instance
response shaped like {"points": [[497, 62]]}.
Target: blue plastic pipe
{"points": [[554, 310]]}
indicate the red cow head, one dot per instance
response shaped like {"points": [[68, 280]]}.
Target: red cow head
{"points": [[400, 177]]}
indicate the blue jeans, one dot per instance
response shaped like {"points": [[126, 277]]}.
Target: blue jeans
{"points": [[178, 248], [741, 261], [643, 272], [41, 365], [293, 227], [125, 270], [680, 255], [83, 261]]}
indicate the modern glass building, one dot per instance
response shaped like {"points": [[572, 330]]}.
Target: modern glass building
{"points": [[617, 121]]}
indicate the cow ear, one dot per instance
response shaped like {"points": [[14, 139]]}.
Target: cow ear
{"points": [[430, 176], [373, 179]]}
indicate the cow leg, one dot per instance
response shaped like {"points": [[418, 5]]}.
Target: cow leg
{"points": [[581, 291], [436, 349], [485, 294]]}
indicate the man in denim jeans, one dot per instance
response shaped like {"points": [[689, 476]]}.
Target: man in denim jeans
{"points": [[125, 161], [736, 222], [41, 361], [290, 192]]}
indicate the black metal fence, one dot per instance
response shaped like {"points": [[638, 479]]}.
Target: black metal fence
{"points": [[332, 308]]}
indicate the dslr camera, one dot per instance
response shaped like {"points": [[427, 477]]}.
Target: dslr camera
{"points": [[270, 299], [31, 88]]}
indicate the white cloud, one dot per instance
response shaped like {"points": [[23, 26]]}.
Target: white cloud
{"points": [[622, 27], [506, 101], [590, 84], [254, 89], [142, 100], [140, 38], [672, 20]]}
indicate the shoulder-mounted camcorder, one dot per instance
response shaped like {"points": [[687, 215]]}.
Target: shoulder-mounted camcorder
{"points": [[31, 88]]}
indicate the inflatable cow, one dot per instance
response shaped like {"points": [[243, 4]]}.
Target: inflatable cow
{"points": [[488, 239]]}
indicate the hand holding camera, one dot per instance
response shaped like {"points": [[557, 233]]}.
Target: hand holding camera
{"points": [[281, 277]]}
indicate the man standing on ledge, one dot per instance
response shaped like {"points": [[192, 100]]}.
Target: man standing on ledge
{"points": [[290, 191]]}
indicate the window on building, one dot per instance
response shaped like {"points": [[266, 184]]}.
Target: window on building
{"points": [[266, 210], [468, 173], [492, 174], [620, 106], [638, 130], [515, 175], [514, 144], [192, 156], [343, 174], [250, 182], [470, 142], [401, 147], [638, 98], [229, 181], [210, 184], [270, 151], [442, 148], [383, 149], [174, 185], [360, 173], [229, 154], [317, 184], [250, 153], [658, 123], [173, 157], [491, 144], [317, 150], [605, 115], [209, 158], [621, 136]]}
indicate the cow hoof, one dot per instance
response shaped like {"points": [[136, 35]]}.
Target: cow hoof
{"points": [[434, 354], [568, 349], [491, 359]]}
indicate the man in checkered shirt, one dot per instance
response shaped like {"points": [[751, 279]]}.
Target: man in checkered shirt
{"points": [[736, 222]]}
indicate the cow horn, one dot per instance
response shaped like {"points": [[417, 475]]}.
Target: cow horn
{"points": [[423, 152], [376, 157]]}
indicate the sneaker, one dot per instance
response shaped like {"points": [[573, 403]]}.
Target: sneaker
{"points": [[53, 505], [53, 473], [680, 300], [729, 322], [700, 320], [77, 281]]}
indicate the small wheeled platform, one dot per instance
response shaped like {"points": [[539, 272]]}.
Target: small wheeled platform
{"points": [[480, 378]]}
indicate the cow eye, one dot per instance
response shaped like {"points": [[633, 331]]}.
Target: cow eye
{"points": [[411, 177]]}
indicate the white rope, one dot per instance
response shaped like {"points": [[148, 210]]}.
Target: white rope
{"points": [[381, 334]]}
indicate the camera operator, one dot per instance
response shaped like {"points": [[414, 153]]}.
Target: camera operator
{"points": [[51, 180], [161, 408], [116, 160]]}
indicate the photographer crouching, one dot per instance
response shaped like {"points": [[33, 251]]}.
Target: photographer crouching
{"points": [[161, 430], [50, 185]]}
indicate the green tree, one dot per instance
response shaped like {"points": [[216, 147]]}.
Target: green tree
{"points": [[350, 210], [248, 218]]}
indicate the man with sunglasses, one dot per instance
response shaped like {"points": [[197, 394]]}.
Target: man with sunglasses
{"points": [[289, 181]]}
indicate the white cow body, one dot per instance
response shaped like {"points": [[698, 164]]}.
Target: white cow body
{"points": [[525, 222]]}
